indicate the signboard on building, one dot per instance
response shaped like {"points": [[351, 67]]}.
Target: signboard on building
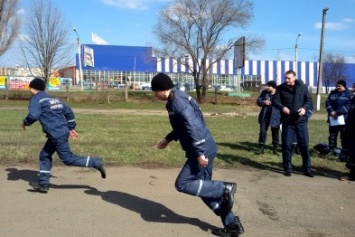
{"points": [[19, 83], [54, 83], [239, 53], [88, 56], [3, 81]]}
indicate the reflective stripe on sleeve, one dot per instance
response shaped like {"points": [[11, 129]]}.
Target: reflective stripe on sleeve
{"points": [[44, 99], [199, 142]]}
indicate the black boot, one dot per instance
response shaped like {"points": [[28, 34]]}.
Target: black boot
{"points": [[228, 197], [102, 169], [42, 188], [343, 156], [352, 175], [261, 149], [234, 229], [274, 149]]}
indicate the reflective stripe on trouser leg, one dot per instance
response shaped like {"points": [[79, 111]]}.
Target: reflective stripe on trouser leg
{"points": [[87, 161], [199, 188], [44, 176], [216, 206], [44, 172]]}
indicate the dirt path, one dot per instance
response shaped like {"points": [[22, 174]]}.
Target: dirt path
{"points": [[315, 116], [143, 202]]}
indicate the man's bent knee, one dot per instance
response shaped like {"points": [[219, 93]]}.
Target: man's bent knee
{"points": [[180, 186]]}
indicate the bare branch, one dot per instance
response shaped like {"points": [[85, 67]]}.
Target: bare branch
{"points": [[9, 24], [198, 28], [45, 43], [334, 68]]}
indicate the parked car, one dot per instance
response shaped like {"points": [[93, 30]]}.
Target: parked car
{"points": [[117, 85], [145, 86]]}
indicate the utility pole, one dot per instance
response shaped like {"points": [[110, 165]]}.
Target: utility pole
{"points": [[296, 54], [320, 71], [79, 59]]}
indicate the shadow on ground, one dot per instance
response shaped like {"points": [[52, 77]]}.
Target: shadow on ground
{"points": [[15, 174], [271, 166], [150, 211]]}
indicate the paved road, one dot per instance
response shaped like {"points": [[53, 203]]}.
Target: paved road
{"points": [[143, 202]]}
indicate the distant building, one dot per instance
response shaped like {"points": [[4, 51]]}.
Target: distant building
{"points": [[116, 65], [20, 71]]}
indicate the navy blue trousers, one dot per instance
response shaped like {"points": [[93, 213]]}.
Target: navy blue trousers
{"points": [[61, 146], [196, 180], [333, 135], [289, 133], [264, 125]]}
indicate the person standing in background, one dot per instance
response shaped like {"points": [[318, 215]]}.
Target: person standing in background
{"points": [[337, 105], [349, 140], [268, 116], [293, 99]]}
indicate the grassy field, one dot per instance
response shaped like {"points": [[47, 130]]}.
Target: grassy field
{"points": [[131, 139], [218, 102]]}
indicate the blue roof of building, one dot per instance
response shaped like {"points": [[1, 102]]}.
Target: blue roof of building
{"points": [[122, 58]]}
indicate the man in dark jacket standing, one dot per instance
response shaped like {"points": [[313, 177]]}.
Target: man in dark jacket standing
{"points": [[58, 123], [349, 139], [195, 178], [337, 104], [293, 100], [268, 116]]}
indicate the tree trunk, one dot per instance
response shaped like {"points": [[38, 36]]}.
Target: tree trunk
{"points": [[198, 94]]}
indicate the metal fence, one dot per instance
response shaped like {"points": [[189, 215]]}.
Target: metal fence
{"points": [[94, 79]]}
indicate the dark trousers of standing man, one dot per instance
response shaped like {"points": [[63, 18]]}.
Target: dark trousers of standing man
{"points": [[289, 133], [264, 125], [333, 135]]}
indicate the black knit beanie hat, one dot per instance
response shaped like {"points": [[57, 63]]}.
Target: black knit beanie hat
{"points": [[342, 82], [161, 82], [38, 84], [272, 84]]}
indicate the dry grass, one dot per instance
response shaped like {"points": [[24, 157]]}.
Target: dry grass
{"points": [[131, 139]]}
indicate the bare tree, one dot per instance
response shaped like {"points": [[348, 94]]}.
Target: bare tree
{"points": [[334, 68], [198, 28], [45, 41], [9, 23]]}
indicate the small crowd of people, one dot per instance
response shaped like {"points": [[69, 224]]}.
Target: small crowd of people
{"points": [[188, 127], [289, 106]]}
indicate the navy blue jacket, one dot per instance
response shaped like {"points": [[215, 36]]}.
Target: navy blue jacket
{"points": [[188, 125], [349, 135], [268, 112], [339, 102], [294, 98], [56, 117]]}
